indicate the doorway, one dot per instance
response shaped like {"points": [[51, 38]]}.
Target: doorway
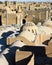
{"points": [[51, 19], [23, 21], [0, 20]]}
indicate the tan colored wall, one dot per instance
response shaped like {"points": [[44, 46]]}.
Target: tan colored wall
{"points": [[23, 56], [49, 49], [41, 38], [3, 19], [38, 41], [11, 19], [32, 61], [39, 15]]}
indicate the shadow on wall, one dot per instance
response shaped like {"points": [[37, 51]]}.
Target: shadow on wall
{"points": [[39, 53], [47, 41], [10, 56], [24, 61], [3, 40], [5, 35], [40, 57]]}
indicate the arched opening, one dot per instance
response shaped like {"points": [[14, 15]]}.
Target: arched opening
{"points": [[0, 21], [32, 31], [51, 3], [51, 19], [23, 21]]}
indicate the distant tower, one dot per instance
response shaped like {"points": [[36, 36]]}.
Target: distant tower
{"points": [[6, 2], [19, 8], [50, 9]]}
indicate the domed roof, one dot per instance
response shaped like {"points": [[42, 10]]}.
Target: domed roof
{"points": [[30, 26], [27, 35], [45, 29], [39, 24], [48, 23]]}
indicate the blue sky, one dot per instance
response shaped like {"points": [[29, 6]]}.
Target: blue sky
{"points": [[28, 0]]}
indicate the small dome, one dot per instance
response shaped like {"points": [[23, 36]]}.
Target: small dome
{"points": [[31, 27], [27, 35], [45, 29], [39, 24], [48, 23]]}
